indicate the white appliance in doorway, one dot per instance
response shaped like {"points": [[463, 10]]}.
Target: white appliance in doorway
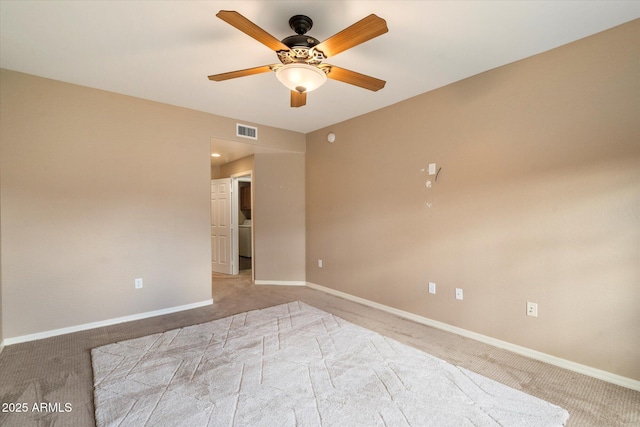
{"points": [[244, 238], [243, 234]]}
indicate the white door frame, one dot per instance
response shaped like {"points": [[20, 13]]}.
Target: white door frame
{"points": [[235, 200]]}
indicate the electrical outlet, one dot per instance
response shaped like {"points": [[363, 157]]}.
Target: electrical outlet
{"points": [[432, 288], [532, 309], [458, 293], [319, 263], [138, 282]]}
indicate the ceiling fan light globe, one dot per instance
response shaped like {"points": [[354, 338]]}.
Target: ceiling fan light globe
{"points": [[301, 76]]}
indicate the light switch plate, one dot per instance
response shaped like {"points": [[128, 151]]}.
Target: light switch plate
{"points": [[432, 288], [432, 168]]}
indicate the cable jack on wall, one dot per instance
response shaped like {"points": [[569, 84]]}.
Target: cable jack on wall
{"points": [[431, 171]]}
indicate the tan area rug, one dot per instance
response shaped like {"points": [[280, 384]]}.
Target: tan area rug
{"points": [[295, 365]]}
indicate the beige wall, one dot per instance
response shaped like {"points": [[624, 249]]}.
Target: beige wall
{"points": [[239, 166], [538, 199], [215, 172], [278, 218], [98, 189]]}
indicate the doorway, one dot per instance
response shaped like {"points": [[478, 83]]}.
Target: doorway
{"points": [[242, 213]]}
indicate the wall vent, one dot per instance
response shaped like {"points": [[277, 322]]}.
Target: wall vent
{"points": [[245, 131]]}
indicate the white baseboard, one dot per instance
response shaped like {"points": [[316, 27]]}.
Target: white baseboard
{"points": [[108, 322], [281, 282], [533, 354]]}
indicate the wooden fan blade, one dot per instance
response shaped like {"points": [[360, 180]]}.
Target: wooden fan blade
{"points": [[298, 99], [249, 28], [370, 27], [240, 73], [353, 78]]}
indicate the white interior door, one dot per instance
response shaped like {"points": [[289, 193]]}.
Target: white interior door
{"points": [[221, 226]]}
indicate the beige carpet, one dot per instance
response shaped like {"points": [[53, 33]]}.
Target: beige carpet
{"points": [[296, 365]]}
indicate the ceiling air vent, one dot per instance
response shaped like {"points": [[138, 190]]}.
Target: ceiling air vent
{"points": [[245, 131]]}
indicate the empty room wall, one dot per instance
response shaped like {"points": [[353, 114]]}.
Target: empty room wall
{"points": [[278, 218], [99, 189], [537, 199]]}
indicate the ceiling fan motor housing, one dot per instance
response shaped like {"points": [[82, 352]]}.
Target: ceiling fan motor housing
{"points": [[300, 45], [300, 40]]}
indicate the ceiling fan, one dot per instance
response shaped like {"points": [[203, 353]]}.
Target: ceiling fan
{"points": [[301, 68]]}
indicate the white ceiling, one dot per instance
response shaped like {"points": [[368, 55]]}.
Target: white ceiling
{"points": [[164, 50]]}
